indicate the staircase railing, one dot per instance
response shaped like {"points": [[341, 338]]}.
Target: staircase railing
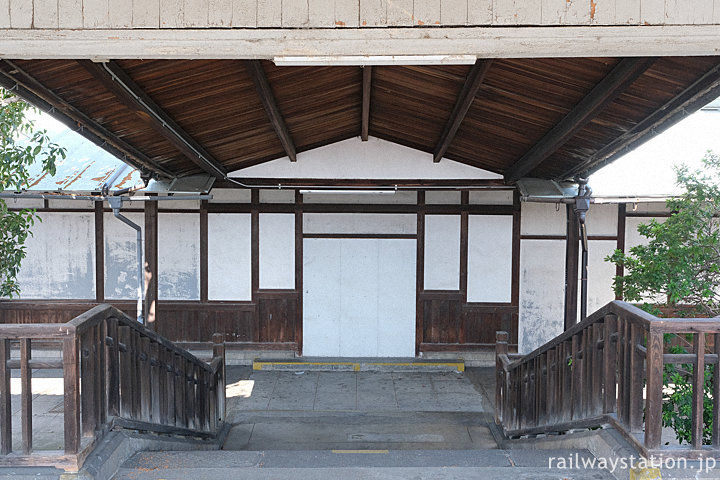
{"points": [[116, 373], [608, 369]]}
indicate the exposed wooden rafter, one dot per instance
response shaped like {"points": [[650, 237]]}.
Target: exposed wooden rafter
{"points": [[612, 86], [257, 74], [366, 88], [132, 96], [462, 105], [25, 86]]}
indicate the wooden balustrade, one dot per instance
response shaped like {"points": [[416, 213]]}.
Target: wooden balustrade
{"points": [[607, 369], [116, 374]]}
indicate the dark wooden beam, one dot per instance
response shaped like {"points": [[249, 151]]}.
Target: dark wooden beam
{"points": [[14, 78], [151, 265], [366, 86], [612, 86], [462, 105], [259, 79], [572, 264], [132, 96]]}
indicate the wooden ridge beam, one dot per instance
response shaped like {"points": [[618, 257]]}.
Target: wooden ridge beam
{"points": [[132, 96], [612, 86], [366, 87], [14, 78], [262, 86], [464, 101]]}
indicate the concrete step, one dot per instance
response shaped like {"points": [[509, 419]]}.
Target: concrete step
{"points": [[356, 464], [323, 364]]}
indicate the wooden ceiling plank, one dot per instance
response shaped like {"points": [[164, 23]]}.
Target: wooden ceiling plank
{"points": [[366, 89], [29, 88], [262, 86], [612, 86], [464, 101], [137, 100]]}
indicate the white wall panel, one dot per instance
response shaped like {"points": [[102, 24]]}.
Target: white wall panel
{"points": [[178, 256], [442, 197], [60, 261], [602, 219], [489, 258], [230, 195], [633, 238], [277, 250], [277, 196], [360, 223], [542, 292], [442, 252], [491, 197], [398, 198], [359, 297], [542, 219], [229, 256], [121, 256], [600, 274]]}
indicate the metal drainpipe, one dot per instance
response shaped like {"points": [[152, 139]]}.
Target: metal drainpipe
{"points": [[582, 204], [116, 204]]}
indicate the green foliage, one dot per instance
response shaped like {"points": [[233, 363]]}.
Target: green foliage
{"points": [[681, 260], [20, 146]]}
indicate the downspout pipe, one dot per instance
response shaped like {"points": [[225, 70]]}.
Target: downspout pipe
{"points": [[582, 205], [116, 205]]}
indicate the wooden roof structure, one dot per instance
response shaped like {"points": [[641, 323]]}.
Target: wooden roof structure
{"points": [[553, 118]]}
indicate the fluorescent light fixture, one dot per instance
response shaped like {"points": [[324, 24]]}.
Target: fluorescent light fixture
{"points": [[360, 60], [348, 192]]}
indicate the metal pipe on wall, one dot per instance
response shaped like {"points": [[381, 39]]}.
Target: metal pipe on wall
{"points": [[116, 204]]}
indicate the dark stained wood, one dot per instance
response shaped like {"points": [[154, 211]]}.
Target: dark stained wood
{"points": [[464, 200], [609, 364], [5, 403], [515, 289], [151, 264], [26, 395], [366, 91], [622, 222], [148, 111], [276, 318], [71, 382], [621, 77], [572, 265], [698, 391], [264, 91], [298, 334], [636, 380], [462, 105], [364, 182], [99, 253], [419, 273], [204, 251], [716, 394], [654, 395]]}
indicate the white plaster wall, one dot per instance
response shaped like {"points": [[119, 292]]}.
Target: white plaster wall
{"points": [[354, 159], [490, 197], [398, 198], [85, 204], [489, 258], [542, 290], [277, 250], [600, 274], [602, 219], [230, 195], [229, 256], [434, 197], [359, 297], [442, 252], [542, 219], [178, 256], [121, 256], [22, 203], [60, 261], [277, 196], [360, 223]]}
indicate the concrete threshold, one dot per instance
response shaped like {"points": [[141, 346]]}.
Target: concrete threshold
{"points": [[323, 364]]}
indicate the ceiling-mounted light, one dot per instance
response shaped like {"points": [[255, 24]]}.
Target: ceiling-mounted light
{"points": [[361, 60]]}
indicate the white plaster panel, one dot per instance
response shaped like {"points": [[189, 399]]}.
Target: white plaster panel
{"points": [[22, 203], [600, 274], [361, 223], [491, 197], [60, 260], [602, 219], [489, 258], [442, 252], [230, 195], [179, 205], [398, 198], [542, 291], [277, 250], [87, 204], [277, 196], [633, 238], [542, 219], [647, 207], [442, 197], [229, 256], [359, 297], [354, 159], [121, 256], [178, 256]]}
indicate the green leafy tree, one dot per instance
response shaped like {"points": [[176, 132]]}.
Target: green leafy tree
{"points": [[680, 262], [20, 145]]}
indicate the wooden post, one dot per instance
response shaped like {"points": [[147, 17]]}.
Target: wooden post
{"points": [[219, 352], [113, 367], [26, 395], [572, 254], [156, 375], [87, 382], [698, 393], [610, 365], [72, 394], [204, 251], [151, 264], [716, 395], [501, 348], [5, 405], [99, 253], [145, 370], [653, 401], [636, 380]]}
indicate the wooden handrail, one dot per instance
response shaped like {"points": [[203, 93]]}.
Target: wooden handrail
{"points": [[128, 375], [607, 369]]}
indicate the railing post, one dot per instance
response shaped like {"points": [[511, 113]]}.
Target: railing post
{"points": [[219, 351], [5, 405], [716, 394], [501, 348], [698, 391], [610, 364], [654, 392], [72, 394], [26, 395], [636, 380]]}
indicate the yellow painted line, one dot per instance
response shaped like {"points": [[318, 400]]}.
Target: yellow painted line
{"points": [[362, 451]]}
